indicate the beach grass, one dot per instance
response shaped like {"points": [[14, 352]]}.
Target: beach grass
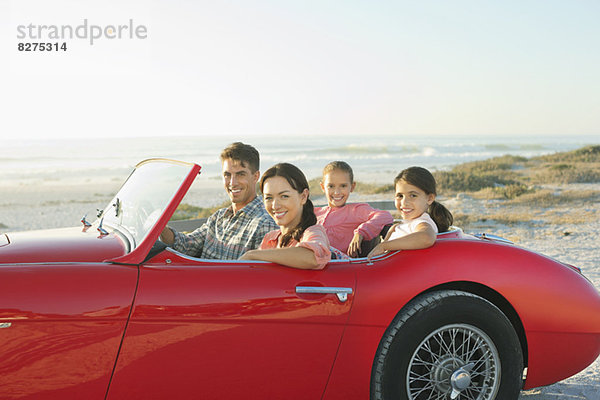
{"points": [[530, 191], [188, 211], [540, 191], [550, 198], [506, 218], [517, 173]]}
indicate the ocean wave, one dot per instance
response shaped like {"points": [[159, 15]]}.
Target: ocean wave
{"points": [[539, 147], [497, 147], [82, 159], [350, 149], [514, 147]]}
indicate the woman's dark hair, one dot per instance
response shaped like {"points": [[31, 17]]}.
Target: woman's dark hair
{"points": [[298, 182], [424, 180]]}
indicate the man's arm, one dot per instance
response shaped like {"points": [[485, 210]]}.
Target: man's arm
{"points": [[190, 244]]}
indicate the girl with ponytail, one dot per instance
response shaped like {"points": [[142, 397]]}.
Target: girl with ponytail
{"points": [[422, 216], [298, 242]]}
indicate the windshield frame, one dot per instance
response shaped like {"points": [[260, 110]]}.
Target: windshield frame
{"points": [[164, 203]]}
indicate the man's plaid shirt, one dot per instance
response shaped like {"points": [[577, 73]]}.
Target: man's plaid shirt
{"points": [[225, 235]]}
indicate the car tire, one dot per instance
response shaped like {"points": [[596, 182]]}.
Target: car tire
{"points": [[448, 345]]}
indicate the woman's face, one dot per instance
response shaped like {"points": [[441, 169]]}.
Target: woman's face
{"points": [[283, 202]]}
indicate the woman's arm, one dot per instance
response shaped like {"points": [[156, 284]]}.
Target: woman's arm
{"points": [[423, 237], [295, 257]]}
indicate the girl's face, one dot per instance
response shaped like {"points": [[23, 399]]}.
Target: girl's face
{"points": [[337, 187], [283, 202], [411, 201]]}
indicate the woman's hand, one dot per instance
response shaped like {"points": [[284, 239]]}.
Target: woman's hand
{"points": [[354, 247], [249, 255]]}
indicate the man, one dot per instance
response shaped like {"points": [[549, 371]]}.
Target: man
{"points": [[233, 230]]}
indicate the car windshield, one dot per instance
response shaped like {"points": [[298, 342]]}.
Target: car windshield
{"points": [[144, 197]]}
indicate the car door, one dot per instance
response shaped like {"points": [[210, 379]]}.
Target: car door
{"points": [[215, 330], [61, 325]]}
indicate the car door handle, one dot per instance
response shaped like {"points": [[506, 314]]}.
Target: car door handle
{"points": [[341, 292]]}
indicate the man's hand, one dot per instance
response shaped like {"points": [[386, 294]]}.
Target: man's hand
{"points": [[354, 247], [167, 236]]}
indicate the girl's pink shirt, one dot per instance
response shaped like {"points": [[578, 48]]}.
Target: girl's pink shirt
{"points": [[341, 223], [314, 238]]}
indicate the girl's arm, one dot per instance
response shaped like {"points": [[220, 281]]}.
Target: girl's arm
{"points": [[423, 237], [295, 257], [371, 220], [354, 246], [381, 219], [390, 231]]}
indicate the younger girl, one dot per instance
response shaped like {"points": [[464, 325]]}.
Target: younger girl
{"points": [[347, 224], [422, 216], [298, 242]]}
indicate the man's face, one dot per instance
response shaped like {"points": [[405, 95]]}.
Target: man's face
{"points": [[240, 183]]}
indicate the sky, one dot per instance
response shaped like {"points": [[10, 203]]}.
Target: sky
{"points": [[209, 68]]}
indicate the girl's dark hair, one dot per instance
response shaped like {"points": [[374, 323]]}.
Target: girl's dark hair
{"points": [[298, 182], [424, 180]]}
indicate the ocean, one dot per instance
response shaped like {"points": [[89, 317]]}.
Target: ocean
{"points": [[374, 158], [52, 183]]}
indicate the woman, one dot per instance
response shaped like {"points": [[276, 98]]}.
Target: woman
{"points": [[299, 242]]}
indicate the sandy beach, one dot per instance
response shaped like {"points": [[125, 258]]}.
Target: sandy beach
{"points": [[566, 229]]}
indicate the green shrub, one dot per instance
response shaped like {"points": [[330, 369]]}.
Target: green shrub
{"points": [[561, 167], [565, 173], [512, 191], [503, 163], [465, 182], [584, 154], [188, 211]]}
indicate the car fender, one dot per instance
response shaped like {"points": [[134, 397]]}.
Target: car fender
{"points": [[555, 304]]}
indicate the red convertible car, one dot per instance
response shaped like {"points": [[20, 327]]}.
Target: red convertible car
{"points": [[104, 311]]}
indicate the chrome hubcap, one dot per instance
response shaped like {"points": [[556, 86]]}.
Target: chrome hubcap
{"points": [[457, 361], [460, 380]]}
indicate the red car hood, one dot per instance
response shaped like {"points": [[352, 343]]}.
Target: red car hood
{"points": [[60, 245]]}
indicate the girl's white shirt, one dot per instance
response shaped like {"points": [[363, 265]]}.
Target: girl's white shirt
{"points": [[406, 227]]}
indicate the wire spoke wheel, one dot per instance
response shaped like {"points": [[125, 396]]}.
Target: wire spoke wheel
{"points": [[457, 361], [448, 345]]}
